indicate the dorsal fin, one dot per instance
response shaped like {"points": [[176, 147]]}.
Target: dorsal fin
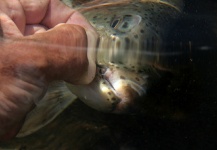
{"points": [[177, 4]]}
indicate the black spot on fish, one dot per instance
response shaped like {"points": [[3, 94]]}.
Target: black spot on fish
{"points": [[127, 43], [114, 99], [148, 70], [122, 77], [140, 71], [145, 18], [136, 36], [152, 8], [135, 5], [118, 44], [125, 25], [151, 24], [128, 16], [141, 31], [147, 44], [137, 79], [153, 43], [105, 18], [109, 93], [127, 40], [160, 7]]}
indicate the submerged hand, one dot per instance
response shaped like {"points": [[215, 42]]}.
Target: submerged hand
{"points": [[35, 51]]}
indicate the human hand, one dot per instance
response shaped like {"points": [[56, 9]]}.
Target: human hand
{"points": [[35, 51]]}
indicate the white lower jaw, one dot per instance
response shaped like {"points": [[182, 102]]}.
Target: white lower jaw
{"points": [[109, 92], [96, 95]]}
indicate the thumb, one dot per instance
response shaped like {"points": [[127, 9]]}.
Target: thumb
{"points": [[69, 53]]}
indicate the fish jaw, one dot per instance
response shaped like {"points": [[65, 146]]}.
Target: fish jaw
{"points": [[116, 90], [94, 95], [127, 86]]}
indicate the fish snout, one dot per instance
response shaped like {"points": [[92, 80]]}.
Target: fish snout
{"points": [[128, 100], [125, 88]]}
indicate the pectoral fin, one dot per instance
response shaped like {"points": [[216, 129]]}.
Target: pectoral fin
{"points": [[57, 98]]}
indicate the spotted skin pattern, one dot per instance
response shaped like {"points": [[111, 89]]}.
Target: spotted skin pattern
{"points": [[129, 51]]}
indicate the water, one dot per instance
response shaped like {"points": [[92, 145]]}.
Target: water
{"points": [[184, 118]]}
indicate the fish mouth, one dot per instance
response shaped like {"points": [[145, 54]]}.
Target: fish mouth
{"points": [[127, 100], [126, 90], [119, 90]]}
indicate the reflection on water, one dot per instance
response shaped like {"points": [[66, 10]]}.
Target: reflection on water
{"points": [[183, 118]]}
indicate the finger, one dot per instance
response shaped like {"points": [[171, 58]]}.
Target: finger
{"points": [[72, 51], [32, 29], [92, 38], [8, 27], [16, 102], [34, 10], [71, 16], [65, 49], [57, 12], [14, 10], [50, 12]]}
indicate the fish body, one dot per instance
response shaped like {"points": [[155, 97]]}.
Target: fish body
{"points": [[132, 41]]}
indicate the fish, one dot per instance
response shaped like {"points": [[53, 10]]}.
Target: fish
{"points": [[129, 51], [130, 60]]}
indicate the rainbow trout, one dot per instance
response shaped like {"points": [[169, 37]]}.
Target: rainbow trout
{"points": [[132, 41], [130, 58]]}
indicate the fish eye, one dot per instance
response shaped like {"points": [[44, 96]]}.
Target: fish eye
{"points": [[125, 23]]}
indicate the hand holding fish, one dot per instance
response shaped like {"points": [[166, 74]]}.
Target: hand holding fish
{"points": [[36, 50]]}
